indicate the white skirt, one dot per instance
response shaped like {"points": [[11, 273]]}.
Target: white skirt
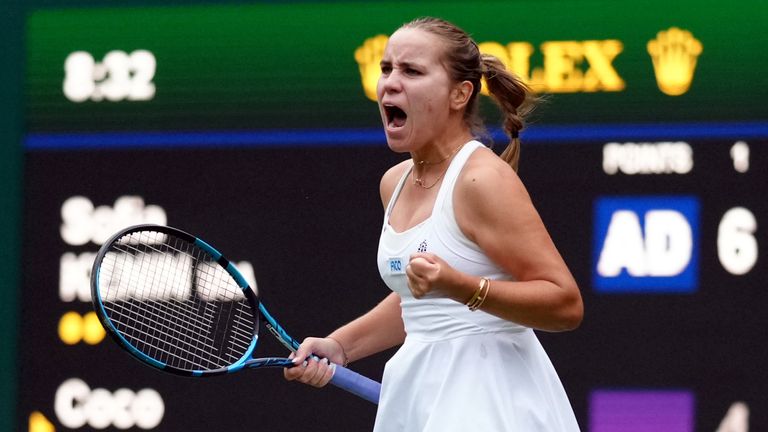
{"points": [[496, 381]]}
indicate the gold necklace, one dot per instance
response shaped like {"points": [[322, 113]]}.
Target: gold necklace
{"points": [[418, 181]]}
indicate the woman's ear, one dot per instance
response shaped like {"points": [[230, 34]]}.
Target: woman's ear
{"points": [[461, 94]]}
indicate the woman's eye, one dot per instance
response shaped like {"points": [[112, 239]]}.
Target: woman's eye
{"points": [[386, 69], [410, 71]]}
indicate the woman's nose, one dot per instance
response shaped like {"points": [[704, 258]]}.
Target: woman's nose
{"points": [[391, 83]]}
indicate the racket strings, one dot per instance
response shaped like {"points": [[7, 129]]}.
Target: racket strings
{"points": [[169, 300], [168, 330]]}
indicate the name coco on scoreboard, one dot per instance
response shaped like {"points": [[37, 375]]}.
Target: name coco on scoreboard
{"points": [[77, 404]]}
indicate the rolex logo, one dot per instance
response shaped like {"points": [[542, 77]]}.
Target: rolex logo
{"points": [[568, 66], [674, 53], [368, 57]]}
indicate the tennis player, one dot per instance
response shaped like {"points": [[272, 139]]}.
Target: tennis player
{"points": [[472, 268]]}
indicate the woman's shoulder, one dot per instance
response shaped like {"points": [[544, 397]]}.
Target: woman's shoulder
{"points": [[486, 191], [487, 180], [390, 179], [397, 170], [484, 168]]}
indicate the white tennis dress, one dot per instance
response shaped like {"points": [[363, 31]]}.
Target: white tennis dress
{"points": [[460, 370]]}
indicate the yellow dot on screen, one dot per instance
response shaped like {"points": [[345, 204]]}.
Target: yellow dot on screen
{"points": [[71, 328], [93, 332], [38, 423]]}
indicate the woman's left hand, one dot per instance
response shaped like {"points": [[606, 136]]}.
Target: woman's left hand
{"points": [[428, 275]]}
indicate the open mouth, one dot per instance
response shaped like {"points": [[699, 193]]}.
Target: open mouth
{"points": [[395, 116]]}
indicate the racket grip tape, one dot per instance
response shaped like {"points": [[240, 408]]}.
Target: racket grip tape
{"points": [[356, 384]]}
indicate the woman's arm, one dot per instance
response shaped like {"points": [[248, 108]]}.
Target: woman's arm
{"points": [[494, 210], [379, 329]]}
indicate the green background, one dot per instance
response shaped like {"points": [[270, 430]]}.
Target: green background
{"points": [[263, 66]]}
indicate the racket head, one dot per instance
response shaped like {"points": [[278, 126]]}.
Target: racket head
{"points": [[175, 303]]}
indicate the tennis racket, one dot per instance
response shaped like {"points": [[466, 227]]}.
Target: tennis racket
{"points": [[175, 303]]}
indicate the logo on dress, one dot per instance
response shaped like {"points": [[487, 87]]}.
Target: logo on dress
{"points": [[422, 246], [395, 266]]}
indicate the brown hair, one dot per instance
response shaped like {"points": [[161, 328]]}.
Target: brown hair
{"points": [[464, 62]]}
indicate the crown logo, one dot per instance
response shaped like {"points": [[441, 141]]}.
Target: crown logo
{"points": [[368, 57], [674, 53]]}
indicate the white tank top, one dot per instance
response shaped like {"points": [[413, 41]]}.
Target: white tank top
{"points": [[460, 370], [438, 318]]}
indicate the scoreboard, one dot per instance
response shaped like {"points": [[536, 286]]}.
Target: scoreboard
{"points": [[648, 162]]}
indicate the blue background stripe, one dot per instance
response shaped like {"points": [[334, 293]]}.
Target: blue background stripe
{"points": [[562, 134]]}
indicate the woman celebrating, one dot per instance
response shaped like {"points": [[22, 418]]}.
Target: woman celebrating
{"points": [[472, 268]]}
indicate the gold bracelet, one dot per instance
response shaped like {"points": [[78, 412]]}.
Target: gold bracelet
{"points": [[477, 292], [343, 351], [482, 297], [479, 296]]}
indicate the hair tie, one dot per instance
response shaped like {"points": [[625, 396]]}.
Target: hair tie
{"points": [[488, 73], [484, 64]]}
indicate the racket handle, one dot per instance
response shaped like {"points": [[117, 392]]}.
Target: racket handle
{"points": [[356, 384]]}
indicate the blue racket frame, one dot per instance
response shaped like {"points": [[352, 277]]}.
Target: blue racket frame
{"points": [[344, 378]]}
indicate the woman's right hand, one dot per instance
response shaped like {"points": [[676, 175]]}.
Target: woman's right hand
{"points": [[313, 360]]}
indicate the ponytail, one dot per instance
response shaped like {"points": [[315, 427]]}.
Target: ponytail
{"points": [[514, 98]]}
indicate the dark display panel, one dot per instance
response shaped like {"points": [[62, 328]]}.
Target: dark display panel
{"points": [[307, 220]]}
